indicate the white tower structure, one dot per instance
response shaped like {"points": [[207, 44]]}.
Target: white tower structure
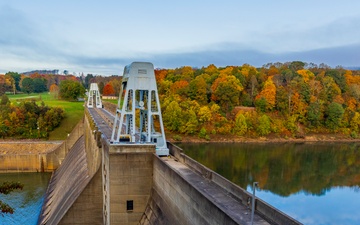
{"points": [[138, 115], [94, 94]]}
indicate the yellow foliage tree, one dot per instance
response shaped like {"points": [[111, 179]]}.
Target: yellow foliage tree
{"points": [[306, 75], [268, 93]]}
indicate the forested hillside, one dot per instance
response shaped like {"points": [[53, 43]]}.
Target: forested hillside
{"points": [[284, 99]]}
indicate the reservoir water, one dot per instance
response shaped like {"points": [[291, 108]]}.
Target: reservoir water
{"points": [[315, 183], [27, 203]]}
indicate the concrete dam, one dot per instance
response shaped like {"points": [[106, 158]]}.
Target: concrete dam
{"points": [[99, 182], [121, 170]]}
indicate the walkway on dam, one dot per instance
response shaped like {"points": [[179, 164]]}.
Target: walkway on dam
{"points": [[230, 205]]}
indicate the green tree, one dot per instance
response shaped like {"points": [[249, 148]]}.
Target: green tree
{"points": [[226, 91], [39, 85], [261, 104], [191, 124], [17, 78], [334, 114], [27, 85], [101, 87], [172, 116], [4, 100], [71, 90], [240, 127], [88, 80], [339, 79], [264, 126], [355, 122], [314, 114], [282, 104]]}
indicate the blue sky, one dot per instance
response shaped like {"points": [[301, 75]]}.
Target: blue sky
{"points": [[101, 37]]}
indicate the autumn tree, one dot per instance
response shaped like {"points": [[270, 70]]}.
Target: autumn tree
{"points": [[268, 93], [17, 78], [180, 87], [10, 83], [116, 83], [54, 91], [226, 91], [198, 90], [108, 90]]}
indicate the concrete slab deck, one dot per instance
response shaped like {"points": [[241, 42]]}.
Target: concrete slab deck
{"points": [[231, 206]]}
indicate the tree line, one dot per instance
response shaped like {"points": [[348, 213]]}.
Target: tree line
{"points": [[28, 119], [286, 99]]}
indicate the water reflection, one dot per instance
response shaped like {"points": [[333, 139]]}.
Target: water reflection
{"points": [[316, 183], [283, 168], [27, 202]]}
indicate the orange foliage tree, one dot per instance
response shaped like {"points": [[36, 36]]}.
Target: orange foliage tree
{"points": [[108, 90], [54, 90]]}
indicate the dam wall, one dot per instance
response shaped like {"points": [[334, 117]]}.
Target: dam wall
{"points": [[117, 183], [38, 156], [74, 195]]}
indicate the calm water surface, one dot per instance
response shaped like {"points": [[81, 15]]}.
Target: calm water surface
{"points": [[315, 183], [27, 202]]}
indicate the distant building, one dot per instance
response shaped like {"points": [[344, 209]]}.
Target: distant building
{"points": [[109, 97]]}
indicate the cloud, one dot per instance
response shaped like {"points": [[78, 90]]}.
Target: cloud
{"points": [[345, 55]]}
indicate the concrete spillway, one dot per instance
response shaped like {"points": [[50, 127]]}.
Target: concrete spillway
{"points": [[104, 183], [66, 184]]}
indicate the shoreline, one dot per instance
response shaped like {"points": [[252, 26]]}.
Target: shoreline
{"points": [[231, 139]]}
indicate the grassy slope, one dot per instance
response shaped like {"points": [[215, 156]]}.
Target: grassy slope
{"points": [[74, 111]]}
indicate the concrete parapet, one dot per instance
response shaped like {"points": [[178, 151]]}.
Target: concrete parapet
{"points": [[271, 214]]}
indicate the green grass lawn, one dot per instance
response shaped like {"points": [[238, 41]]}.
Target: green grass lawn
{"points": [[74, 111], [114, 101]]}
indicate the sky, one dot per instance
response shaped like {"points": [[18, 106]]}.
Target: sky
{"points": [[101, 37]]}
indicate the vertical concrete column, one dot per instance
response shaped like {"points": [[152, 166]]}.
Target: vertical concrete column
{"points": [[131, 180]]}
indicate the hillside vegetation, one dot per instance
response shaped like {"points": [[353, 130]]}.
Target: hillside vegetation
{"points": [[277, 100], [282, 100]]}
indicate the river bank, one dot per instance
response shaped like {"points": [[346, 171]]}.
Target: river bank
{"points": [[267, 139]]}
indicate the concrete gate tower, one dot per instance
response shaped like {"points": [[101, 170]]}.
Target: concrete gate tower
{"points": [[138, 116], [94, 94]]}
